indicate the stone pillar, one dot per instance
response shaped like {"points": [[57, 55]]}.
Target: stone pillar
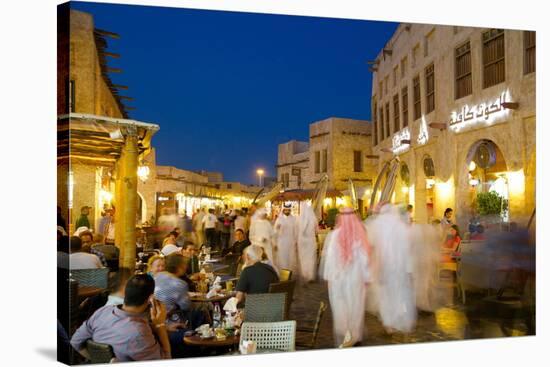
{"points": [[128, 193]]}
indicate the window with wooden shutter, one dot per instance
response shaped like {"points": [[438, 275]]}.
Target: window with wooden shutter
{"points": [[529, 44], [430, 88], [396, 113], [493, 57], [463, 71], [417, 105], [317, 161], [324, 159], [388, 131], [374, 123], [382, 124], [405, 105], [357, 161]]}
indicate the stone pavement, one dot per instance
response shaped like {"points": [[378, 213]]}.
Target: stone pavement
{"points": [[453, 321]]}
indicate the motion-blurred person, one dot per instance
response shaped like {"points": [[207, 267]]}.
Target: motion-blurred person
{"points": [[345, 265], [155, 265], [425, 241], [393, 282], [307, 243], [225, 230], [286, 234], [209, 222], [262, 234], [83, 220]]}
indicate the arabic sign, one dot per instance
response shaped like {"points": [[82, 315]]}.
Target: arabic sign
{"points": [[397, 146], [481, 114], [423, 132]]}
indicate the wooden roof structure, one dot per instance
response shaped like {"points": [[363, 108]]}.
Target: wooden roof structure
{"points": [[98, 138], [100, 37]]}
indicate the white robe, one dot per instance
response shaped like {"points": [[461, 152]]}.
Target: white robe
{"points": [[346, 288], [262, 234], [286, 232], [425, 254], [393, 287], [307, 243]]}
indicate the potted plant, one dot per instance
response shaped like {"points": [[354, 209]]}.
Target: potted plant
{"points": [[491, 205]]}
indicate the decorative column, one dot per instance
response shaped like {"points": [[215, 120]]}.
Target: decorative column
{"points": [[128, 194]]}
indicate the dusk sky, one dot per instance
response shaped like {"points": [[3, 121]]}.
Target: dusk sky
{"points": [[226, 88]]}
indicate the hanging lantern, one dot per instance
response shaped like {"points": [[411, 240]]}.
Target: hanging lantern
{"points": [[143, 172]]}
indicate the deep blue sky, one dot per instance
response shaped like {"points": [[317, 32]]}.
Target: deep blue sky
{"points": [[226, 88]]}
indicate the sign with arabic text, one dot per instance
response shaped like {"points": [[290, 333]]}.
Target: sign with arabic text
{"points": [[397, 146], [486, 113]]}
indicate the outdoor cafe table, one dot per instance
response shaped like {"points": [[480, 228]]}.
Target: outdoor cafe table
{"points": [[89, 291], [213, 342], [216, 299]]}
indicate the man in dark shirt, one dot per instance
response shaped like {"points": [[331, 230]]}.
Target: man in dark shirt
{"points": [[240, 244], [256, 276]]}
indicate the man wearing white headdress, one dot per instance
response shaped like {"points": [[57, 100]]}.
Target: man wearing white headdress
{"points": [[391, 241], [345, 266], [262, 234], [286, 235], [307, 242]]}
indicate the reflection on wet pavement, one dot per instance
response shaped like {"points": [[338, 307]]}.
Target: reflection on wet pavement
{"points": [[482, 317]]}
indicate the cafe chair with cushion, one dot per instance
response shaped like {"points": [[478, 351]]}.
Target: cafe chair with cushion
{"points": [[314, 330], [285, 275], [99, 353], [265, 307], [91, 277], [287, 288], [270, 336]]}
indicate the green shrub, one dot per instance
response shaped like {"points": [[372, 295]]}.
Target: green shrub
{"points": [[490, 203]]}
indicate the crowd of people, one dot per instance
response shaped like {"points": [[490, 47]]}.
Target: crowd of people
{"points": [[383, 265]]}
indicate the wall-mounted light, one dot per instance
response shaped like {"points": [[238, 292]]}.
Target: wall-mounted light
{"points": [[143, 172], [472, 166], [473, 182], [438, 125], [510, 105], [430, 182]]}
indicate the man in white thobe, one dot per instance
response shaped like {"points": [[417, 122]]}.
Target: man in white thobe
{"points": [[286, 234], [307, 242], [390, 237], [345, 266], [263, 235]]}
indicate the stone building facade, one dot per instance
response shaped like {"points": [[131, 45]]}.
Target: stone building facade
{"points": [[82, 88], [445, 96], [338, 147]]}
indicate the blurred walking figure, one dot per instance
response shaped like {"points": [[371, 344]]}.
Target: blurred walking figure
{"points": [[286, 231], [197, 227], [209, 222], [391, 240], [262, 234], [345, 265], [307, 242], [425, 254]]}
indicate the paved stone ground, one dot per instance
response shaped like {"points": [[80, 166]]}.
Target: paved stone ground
{"points": [[452, 321]]}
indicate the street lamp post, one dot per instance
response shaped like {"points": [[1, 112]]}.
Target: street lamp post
{"points": [[260, 173]]}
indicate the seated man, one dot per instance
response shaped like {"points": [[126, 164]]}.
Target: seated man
{"points": [[126, 327], [256, 276], [240, 244], [169, 246], [169, 288], [174, 293], [190, 251], [81, 260]]}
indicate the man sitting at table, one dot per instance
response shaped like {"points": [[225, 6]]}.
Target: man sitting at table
{"points": [[256, 276], [190, 251], [80, 259], [173, 291], [240, 244], [126, 328]]}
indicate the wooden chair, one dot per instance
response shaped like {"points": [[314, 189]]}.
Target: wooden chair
{"points": [[284, 275], [99, 353], [270, 336], [91, 277], [314, 331], [287, 288], [265, 307]]}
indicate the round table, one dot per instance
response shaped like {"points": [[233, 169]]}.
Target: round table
{"points": [[219, 298], [196, 340]]}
